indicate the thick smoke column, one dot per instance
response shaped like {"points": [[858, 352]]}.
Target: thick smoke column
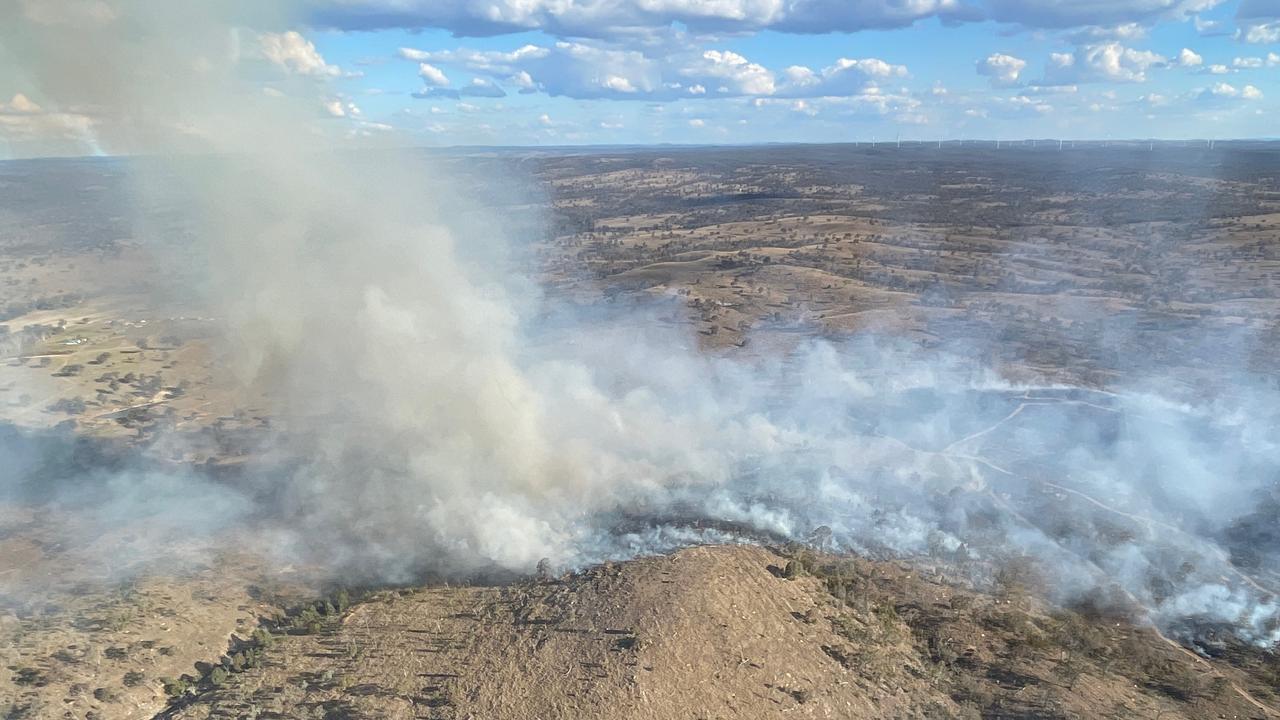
{"points": [[430, 423]]}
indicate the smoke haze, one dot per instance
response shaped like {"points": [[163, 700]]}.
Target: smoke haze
{"points": [[436, 415]]}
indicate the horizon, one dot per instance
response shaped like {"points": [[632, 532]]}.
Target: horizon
{"points": [[1136, 142]]}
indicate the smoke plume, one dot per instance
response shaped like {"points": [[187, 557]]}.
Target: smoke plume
{"points": [[435, 415]]}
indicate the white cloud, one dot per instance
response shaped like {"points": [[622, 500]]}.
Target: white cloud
{"points": [[612, 18], [732, 70], [20, 105], [1259, 33], [619, 84], [296, 54], [1227, 91], [481, 87], [1083, 13], [697, 123], [432, 75], [1189, 58], [523, 81], [1124, 31], [1108, 62], [31, 129], [1004, 70], [334, 108], [592, 70], [846, 77], [1209, 28], [579, 70], [871, 67], [641, 19], [477, 88], [1217, 69], [479, 60], [803, 106], [871, 101]]}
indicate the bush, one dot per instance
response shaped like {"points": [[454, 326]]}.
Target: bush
{"points": [[105, 695], [262, 638], [218, 676], [176, 688], [29, 676]]}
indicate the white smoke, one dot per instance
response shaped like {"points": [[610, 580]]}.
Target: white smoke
{"points": [[431, 421]]}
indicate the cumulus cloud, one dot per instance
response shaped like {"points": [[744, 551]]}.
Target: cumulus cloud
{"points": [[1227, 91], [1258, 21], [478, 88], [592, 70], [595, 19], [871, 101], [432, 75], [1124, 31], [1004, 70], [1108, 62], [1189, 58], [296, 54], [736, 74], [479, 60], [1098, 19], [1084, 13], [1261, 32], [26, 127], [340, 108], [846, 77], [20, 105], [1022, 105], [572, 69]]}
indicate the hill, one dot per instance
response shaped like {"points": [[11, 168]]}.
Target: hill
{"points": [[731, 632]]}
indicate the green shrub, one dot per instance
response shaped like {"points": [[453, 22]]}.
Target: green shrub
{"points": [[218, 676], [176, 688]]}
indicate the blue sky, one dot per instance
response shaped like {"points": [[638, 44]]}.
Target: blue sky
{"points": [[550, 72], [1036, 74]]}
